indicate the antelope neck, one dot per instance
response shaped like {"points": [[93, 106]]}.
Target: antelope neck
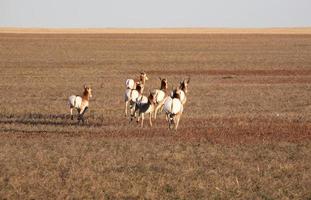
{"points": [[163, 87], [85, 96], [150, 102]]}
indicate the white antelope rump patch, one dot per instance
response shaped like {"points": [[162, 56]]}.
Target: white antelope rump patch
{"points": [[130, 84], [160, 95], [75, 101], [81, 103], [173, 106], [131, 95]]}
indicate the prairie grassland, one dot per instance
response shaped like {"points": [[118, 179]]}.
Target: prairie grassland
{"points": [[245, 132]]}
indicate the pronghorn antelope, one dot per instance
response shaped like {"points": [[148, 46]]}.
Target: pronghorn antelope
{"points": [[173, 108], [80, 103], [131, 83], [183, 86], [134, 88], [131, 96], [160, 95], [145, 105]]}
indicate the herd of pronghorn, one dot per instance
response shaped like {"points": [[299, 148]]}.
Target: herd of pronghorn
{"points": [[158, 99]]}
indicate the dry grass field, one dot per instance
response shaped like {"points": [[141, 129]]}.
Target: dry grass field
{"points": [[245, 132]]}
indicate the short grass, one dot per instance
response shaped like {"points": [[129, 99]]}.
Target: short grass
{"points": [[245, 132]]}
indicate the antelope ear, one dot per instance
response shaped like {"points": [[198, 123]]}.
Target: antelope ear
{"points": [[84, 86], [160, 78], [188, 80]]}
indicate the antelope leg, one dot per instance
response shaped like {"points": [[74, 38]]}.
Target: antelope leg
{"points": [[150, 120], [142, 120], [71, 115], [126, 105]]}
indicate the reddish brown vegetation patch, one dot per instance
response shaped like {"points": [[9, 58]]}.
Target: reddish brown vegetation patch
{"points": [[215, 130], [276, 72]]}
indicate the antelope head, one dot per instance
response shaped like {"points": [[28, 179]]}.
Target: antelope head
{"points": [[163, 83], [184, 85], [87, 91], [176, 93], [139, 88], [143, 77]]}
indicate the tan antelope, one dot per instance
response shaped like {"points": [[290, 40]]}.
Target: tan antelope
{"points": [[131, 92], [145, 105], [131, 83], [183, 86], [173, 108], [160, 95], [131, 96], [80, 103]]}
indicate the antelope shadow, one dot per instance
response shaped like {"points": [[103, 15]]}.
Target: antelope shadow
{"points": [[47, 119]]}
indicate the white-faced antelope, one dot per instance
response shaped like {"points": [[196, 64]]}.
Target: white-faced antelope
{"points": [[80, 103], [131, 86], [145, 105], [173, 108], [160, 95]]}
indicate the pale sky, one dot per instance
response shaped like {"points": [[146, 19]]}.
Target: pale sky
{"points": [[155, 13]]}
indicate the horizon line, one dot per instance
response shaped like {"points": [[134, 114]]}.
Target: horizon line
{"points": [[163, 30]]}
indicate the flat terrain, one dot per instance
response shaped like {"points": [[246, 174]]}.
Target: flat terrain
{"points": [[245, 132]]}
